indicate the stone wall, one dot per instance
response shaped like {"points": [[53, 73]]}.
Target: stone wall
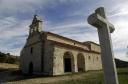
{"points": [[95, 47], [58, 63], [35, 57], [91, 63], [48, 58]]}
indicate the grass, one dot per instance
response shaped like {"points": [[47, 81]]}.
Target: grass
{"points": [[97, 78], [123, 75], [91, 78]]}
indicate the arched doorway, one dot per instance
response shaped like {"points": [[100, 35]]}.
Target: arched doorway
{"points": [[68, 62], [80, 62], [30, 71]]}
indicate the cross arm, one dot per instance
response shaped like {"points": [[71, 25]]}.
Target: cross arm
{"points": [[97, 21]]}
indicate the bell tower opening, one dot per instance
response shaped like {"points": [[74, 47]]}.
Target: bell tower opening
{"points": [[36, 25]]}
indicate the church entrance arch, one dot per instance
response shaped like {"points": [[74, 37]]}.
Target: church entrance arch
{"points": [[68, 62], [30, 71], [80, 62]]}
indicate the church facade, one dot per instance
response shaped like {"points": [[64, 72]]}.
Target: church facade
{"points": [[51, 54]]}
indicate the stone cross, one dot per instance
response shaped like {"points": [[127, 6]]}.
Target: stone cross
{"points": [[99, 20]]}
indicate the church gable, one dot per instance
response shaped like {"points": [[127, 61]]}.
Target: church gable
{"points": [[35, 34], [36, 38]]}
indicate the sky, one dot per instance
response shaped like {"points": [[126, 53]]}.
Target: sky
{"points": [[64, 17]]}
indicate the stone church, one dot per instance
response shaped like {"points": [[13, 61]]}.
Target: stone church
{"points": [[51, 54]]}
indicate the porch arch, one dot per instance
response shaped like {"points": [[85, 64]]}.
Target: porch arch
{"points": [[81, 62], [68, 60]]}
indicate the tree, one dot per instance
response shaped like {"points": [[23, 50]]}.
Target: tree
{"points": [[2, 57]]}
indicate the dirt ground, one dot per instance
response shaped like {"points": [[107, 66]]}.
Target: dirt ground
{"points": [[8, 66]]}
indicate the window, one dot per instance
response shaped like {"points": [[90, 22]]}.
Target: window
{"points": [[97, 58], [31, 51], [89, 57]]}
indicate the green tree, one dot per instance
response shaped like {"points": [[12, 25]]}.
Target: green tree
{"points": [[2, 57]]}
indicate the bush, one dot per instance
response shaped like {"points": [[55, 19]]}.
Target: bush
{"points": [[10, 60], [2, 57]]}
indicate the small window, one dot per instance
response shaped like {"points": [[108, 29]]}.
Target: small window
{"points": [[31, 50], [89, 57], [97, 58]]}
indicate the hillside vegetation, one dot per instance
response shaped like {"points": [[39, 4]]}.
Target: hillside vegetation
{"points": [[7, 58]]}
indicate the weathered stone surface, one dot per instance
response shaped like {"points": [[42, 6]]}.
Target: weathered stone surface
{"points": [[51, 52], [98, 20], [26, 57]]}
